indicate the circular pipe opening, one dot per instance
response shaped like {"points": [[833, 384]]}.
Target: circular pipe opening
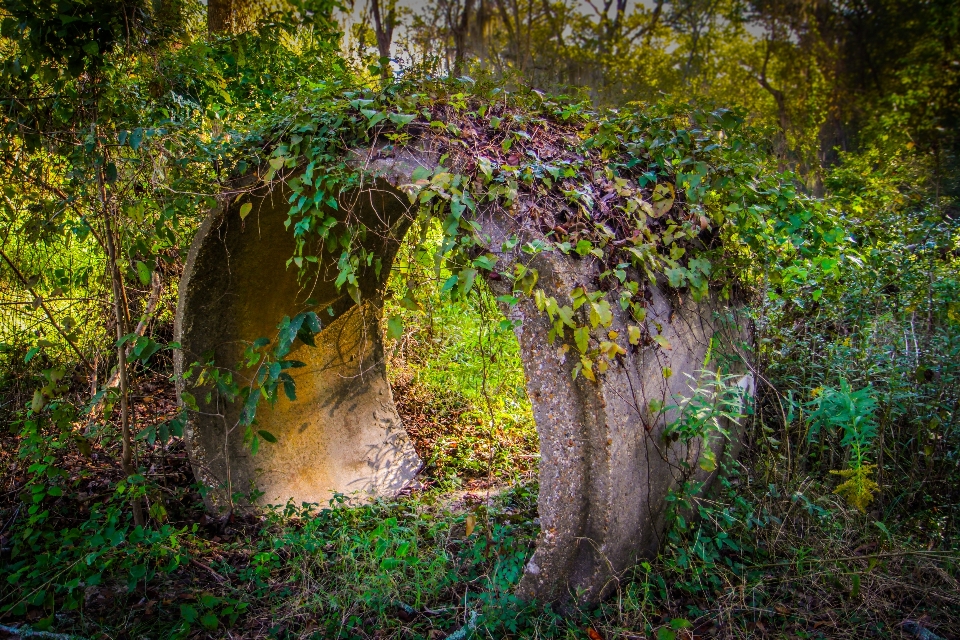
{"points": [[605, 471]]}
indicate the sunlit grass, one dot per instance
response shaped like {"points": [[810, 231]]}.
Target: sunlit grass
{"points": [[458, 377]]}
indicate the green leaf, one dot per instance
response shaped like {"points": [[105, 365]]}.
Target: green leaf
{"points": [[676, 277], [600, 313], [449, 284], [394, 327], [700, 264], [354, 292], [611, 349], [402, 119], [664, 195], [144, 272], [708, 461], [581, 335], [465, 280], [289, 330], [526, 279], [209, 622], [485, 262], [36, 405], [189, 613], [663, 342], [266, 435], [249, 411], [136, 138], [289, 386], [145, 350], [410, 303], [360, 103], [587, 369], [664, 633], [245, 209], [311, 321]]}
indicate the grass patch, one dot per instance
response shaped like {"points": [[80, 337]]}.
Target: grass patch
{"points": [[457, 377]]}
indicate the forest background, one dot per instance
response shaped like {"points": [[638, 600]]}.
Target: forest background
{"points": [[123, 120]]}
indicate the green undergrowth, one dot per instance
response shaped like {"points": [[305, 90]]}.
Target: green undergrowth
{"points": [[457, 375], [771, 550], [412, 567], [749, 559]]}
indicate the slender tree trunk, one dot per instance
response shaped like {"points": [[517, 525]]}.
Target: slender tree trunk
{"points": [[460, 27], [513, 38], [126, 456], [783, 115], [221, 16], [384, 32]]}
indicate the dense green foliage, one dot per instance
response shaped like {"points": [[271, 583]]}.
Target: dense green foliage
{"points": [[123, 123]]}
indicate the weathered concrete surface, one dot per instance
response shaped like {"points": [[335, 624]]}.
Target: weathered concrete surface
{"points": [[343, 434], [605, 470]]}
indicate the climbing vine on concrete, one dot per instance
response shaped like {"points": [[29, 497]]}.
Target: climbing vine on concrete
{"points": [[672, 195]]}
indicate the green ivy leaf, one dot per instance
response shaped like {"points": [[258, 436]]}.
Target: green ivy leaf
{"points": [[402, 119]]}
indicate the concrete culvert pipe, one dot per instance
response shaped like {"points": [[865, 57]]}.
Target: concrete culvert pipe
{"points": [[605, 470]]}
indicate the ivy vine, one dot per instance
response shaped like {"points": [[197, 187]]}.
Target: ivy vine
{"points": [[669, 195], [673, 195]]}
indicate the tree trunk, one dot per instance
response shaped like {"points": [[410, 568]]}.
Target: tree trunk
{"points": [[460, 27], [221, 15], [384, 31], [121, 310]]}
